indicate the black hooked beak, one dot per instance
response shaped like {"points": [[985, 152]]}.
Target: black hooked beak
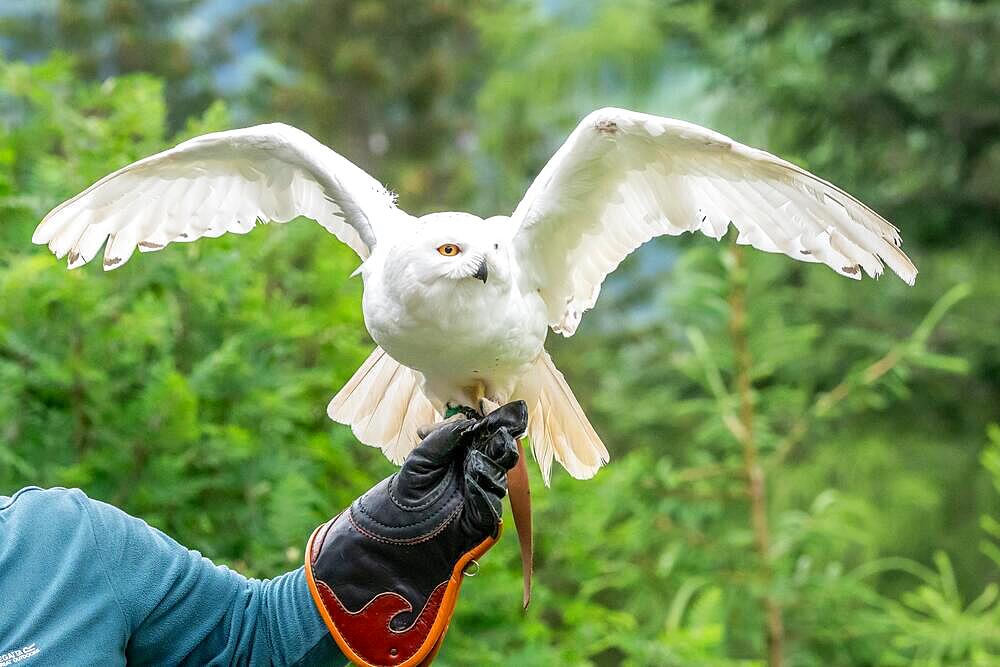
{"points": [[481, 271]]}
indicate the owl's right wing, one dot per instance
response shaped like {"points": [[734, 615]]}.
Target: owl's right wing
{"points": [[217, 183]]}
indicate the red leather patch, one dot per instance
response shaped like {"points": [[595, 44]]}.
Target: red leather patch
{"points": [[367, 631]]}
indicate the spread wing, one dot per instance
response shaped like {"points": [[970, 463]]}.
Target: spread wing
{"points": [[217, 183], [623, 177]]}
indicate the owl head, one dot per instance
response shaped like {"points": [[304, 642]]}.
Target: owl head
{"points": [[454, 249]]}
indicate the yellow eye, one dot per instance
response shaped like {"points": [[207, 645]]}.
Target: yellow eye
{"points": [[449, 249]]}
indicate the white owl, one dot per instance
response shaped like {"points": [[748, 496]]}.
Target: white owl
{"points": [[460, 306]]}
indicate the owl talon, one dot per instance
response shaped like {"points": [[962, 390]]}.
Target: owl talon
{"points": [[427, 429], [486, 406]]}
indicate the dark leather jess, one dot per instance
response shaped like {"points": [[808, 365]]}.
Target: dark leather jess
{"points": [[385, 573]]}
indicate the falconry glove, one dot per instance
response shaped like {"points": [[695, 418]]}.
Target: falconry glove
{"points": [[385, 573]]}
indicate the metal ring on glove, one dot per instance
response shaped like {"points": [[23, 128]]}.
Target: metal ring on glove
{"points": [[469, 570]]}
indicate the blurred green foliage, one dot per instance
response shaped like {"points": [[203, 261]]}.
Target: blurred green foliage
{"points": [[189, 386]]}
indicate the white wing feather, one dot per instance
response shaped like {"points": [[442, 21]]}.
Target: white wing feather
{"points": [[217, 183], [624, 177]]}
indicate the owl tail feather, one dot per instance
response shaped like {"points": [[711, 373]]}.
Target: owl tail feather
{"points": [[384, 404], [557, 426]]}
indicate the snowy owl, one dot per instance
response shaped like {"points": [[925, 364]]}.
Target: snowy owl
{"points": [[460, 306]]}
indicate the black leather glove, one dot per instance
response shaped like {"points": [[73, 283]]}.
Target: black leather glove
{"points": [[385, 573]]}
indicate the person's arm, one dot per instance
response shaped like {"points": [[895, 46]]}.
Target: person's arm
{"points": [[180, 608], [403, 545], [91, 583]]}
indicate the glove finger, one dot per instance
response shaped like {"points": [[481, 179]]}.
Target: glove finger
{"points": [[513, 417], [490, 477], [439, 445], [426, 464], [485, 487], [482, 510], [502, 449]]}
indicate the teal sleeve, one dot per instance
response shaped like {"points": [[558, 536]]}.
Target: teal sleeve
{"points": [[83, 583], [180, 608]]}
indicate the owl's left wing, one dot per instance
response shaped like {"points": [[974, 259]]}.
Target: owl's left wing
{"points": [[623, 177]]}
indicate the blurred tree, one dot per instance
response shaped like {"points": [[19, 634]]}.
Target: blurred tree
{"points": [[190, 390], [169, 38], [386, 82]]}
